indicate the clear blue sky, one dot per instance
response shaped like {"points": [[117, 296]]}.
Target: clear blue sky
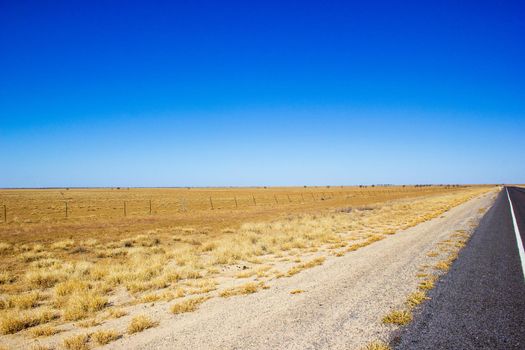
{"points": [[219, 93]]}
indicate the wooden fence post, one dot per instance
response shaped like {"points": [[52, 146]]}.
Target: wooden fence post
{"points": [[150, 207], [276, 201], [125, 214], [211, 203], [302, 198], [254, 202], [5, 213], [235, 198], [66, 209]]}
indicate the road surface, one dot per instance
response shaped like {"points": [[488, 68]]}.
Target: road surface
{"points": [[480, 303]]}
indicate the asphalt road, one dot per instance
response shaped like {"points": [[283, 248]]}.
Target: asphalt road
{"points": [[480, 303]]}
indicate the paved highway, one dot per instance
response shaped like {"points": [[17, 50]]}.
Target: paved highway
{"points": [[480, 303]]}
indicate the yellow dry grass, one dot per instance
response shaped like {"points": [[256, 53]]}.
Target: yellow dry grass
{"points": [[188, 305], [377, 345], [44, 331], [88, 323], [103, 337], [15, 321], [68, 269], [76, 342], [416, 298], [116, 313], [298, 268], [140, 323], [247, 288], [23, 301], [398, 317], [443, 265], [427, 284]]}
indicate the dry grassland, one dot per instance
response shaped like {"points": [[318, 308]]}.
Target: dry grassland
{"points": [[96, 270]]}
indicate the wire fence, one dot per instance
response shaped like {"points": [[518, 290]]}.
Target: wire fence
{"points": [[27, 210]]}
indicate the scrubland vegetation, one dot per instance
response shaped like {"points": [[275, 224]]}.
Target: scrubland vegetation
{"points": [[64, 275]]}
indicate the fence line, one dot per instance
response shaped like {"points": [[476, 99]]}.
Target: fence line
{"points": [[106, 207]]}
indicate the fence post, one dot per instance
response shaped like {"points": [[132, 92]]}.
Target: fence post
{"points": [[5, 213], [66, 208], [150, 207], [125, 208], [211, 203], [276, 201], [302, 198], [289, 200], [235, 198], [254, 202]]}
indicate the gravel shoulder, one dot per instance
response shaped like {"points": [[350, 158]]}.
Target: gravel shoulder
{"points": [[341, 306]]}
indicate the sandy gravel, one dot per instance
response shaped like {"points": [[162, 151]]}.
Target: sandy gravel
{"points": [[341, 307]]}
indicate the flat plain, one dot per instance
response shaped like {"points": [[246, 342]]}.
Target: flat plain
{"points": [[89, 267]]}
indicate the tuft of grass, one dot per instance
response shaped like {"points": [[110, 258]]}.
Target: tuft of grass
{"points": [[150, 298], [297, 291], [23, 301], [298, 268], [6, 278], [427, 284], [140, 323], [200, 286], [443, 265], [5, 248], [12, 322], [26, 301], [44, 331], [189, 305], [104, 337], [69, 287], [76, 342], [398, 317], [377, 345], [116, 313], [368, 241], [44, 278], [259, 272], [88, 323], [432, 254], [416, 298], [247, 288], [82, 305], [63, 245]]}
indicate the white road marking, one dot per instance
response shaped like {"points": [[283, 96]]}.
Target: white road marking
{"points": [[518, 236]]}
